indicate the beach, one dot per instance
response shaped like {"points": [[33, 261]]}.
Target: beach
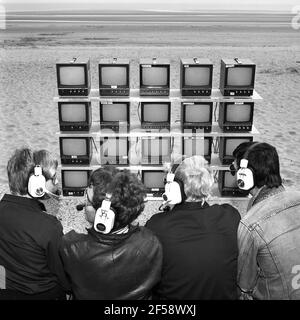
{"points": [[31, 46]]}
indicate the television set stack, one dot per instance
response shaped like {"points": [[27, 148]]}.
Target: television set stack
{"points": [[213, 122]]}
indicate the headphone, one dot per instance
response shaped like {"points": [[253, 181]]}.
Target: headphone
{"points": [[245, 175], [37, 183], [105, 216], [174, 190]]}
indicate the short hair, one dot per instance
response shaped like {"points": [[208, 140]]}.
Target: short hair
{"points": [[46, 160], [197, 178], [100, 180], [128, 198], [263, 160], [19, 169]]}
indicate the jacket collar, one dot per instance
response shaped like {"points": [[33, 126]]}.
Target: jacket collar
{"points": [[112, 238], [24, 201], [193, 205], [263, 194]]}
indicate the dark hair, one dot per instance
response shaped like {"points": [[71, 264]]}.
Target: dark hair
{"points": [[263, 160], [19, 168], [100, 180], [128, 198], [46, 160]]}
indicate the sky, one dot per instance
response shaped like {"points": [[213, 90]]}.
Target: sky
{"points": [[218, 5]]}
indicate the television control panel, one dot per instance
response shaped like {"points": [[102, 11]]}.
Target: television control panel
{"points": [[74, 127], [237, 92], [114, 92], [194, 127], [196, 92], [74, 92], [154, 92], [70, 193], [75, 161], [238, 128]]}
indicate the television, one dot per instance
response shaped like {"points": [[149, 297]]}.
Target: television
{"points": [[156, 150], [228, 187], [114, 150], [73, 77], [196, 77], [75, 116], [114, 77], [237, 77], [192, 146], [154, 77], [236, 116], [197, 115], [154, 181], [115, 115], [74, 182], [227, 146], [75, 150], [155, 115]]}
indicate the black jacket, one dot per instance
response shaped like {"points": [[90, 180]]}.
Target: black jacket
{"points": [[200, 251], [112, 266], [29, 246]]}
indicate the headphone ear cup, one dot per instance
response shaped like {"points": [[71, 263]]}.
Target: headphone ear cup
{"points": [[104, 220], [181, 186], [37, 186], [245, 179]]}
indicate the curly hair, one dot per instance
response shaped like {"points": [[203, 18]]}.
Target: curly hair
{"points": [[19, 168], [128, 198], [46, 160]]}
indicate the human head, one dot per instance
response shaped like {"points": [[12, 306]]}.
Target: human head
{"points": [[197, 178], [19, 169], [49, 164], [128, 196], [263, 160]]}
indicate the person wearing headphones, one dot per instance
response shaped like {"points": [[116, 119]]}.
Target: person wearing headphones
{"points": [[116, 260], [269, 233], [29, 237], [199, 240]]}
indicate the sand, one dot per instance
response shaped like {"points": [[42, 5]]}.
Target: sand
{"points": [[30, 50]]}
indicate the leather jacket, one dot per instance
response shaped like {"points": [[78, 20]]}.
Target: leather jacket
{"points": [[112, 266]]}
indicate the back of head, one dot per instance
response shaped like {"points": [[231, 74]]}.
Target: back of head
{"points": [[196, 177], [19, 169], [263, 160], [46, 160], [128, 197]]}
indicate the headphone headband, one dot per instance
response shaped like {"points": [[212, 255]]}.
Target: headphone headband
{"points": [[246, 154]]}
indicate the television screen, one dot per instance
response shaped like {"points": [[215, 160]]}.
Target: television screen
{"points": [[115, 147], [238, 112], [154, 179], [231, 144], [113, 76], [230, 180], [74, 147], [197, 113], [239, 76], [197, 76], [196, 147], [156, 147], [75, 179], [72, 75], [114, 112], [156, 112], [73, 112], [155, 76]]}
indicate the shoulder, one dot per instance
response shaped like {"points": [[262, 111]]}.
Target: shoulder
{"points": [[227, 209], [157, 220], [73, 237]]}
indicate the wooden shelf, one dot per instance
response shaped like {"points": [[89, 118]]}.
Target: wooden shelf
{"points": [[175, 95]]}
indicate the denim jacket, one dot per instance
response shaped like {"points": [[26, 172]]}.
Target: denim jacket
{"points": [[269, 246]]}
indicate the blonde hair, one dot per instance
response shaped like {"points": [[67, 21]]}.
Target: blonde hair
{"points": [[197, 178]]}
